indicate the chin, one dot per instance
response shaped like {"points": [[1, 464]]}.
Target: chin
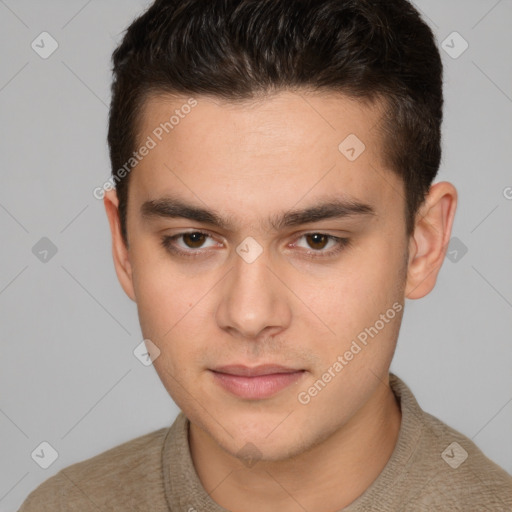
{"points": [[267, 438]]}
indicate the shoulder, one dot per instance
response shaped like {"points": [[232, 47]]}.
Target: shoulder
{"points": [[117, 479], [456, 475], [438, 468]]}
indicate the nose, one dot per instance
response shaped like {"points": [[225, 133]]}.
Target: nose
{"points": [[254, 303]]}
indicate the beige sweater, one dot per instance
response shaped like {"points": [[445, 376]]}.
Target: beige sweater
{"points": [[428, 471]]}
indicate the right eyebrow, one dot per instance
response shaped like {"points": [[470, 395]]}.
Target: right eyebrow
{"points": [[175, 208]]}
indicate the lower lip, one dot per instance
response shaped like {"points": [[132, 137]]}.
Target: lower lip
{"points": [[258, 387]]}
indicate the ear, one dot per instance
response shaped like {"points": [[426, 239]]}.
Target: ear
{"points": [[120, 251], [429, 242]]}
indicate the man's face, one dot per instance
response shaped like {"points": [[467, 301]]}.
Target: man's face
{"points": [[255, 291]]}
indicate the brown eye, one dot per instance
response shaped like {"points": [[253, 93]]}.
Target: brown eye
{"points": [[317, 240], [321, 245], [192, 243], [194, 240]]}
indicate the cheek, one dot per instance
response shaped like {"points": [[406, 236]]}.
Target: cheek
{"points": [[360, 288], [171, 317], [163, 295], [166, 303], [350, 303]]}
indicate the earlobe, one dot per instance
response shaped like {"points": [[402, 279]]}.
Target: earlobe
{"points": [[430, 239], [120, 252]]}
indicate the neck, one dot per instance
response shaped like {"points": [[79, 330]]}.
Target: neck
{"points": [[328, 476]]}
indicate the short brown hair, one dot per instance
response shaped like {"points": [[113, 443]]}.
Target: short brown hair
{"points": [[236, 49]]}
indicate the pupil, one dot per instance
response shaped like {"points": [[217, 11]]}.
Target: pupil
{"points": [[317, 238], [196, 239]]}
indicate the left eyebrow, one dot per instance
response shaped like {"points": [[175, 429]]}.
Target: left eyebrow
{"points": [[169, 207], [334, 209]]}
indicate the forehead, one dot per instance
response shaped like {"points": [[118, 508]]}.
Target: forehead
{"points": [[279, 118], [291, 145]]}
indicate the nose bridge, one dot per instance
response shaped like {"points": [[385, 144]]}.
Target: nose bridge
{"points": [[252, 299]]}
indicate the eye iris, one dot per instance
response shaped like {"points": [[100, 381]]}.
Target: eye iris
{"points": [[197, 239], [317, 239]]}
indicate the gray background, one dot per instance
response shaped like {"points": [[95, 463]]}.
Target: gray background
{"points": [[68, 375]]}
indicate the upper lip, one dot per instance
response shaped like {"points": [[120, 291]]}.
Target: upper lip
{"points": [[254, 371]]}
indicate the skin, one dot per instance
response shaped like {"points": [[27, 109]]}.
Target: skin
{"points": [[249, 162]]}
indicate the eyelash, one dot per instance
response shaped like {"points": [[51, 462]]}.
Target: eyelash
{"points": [[341, 243]]}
